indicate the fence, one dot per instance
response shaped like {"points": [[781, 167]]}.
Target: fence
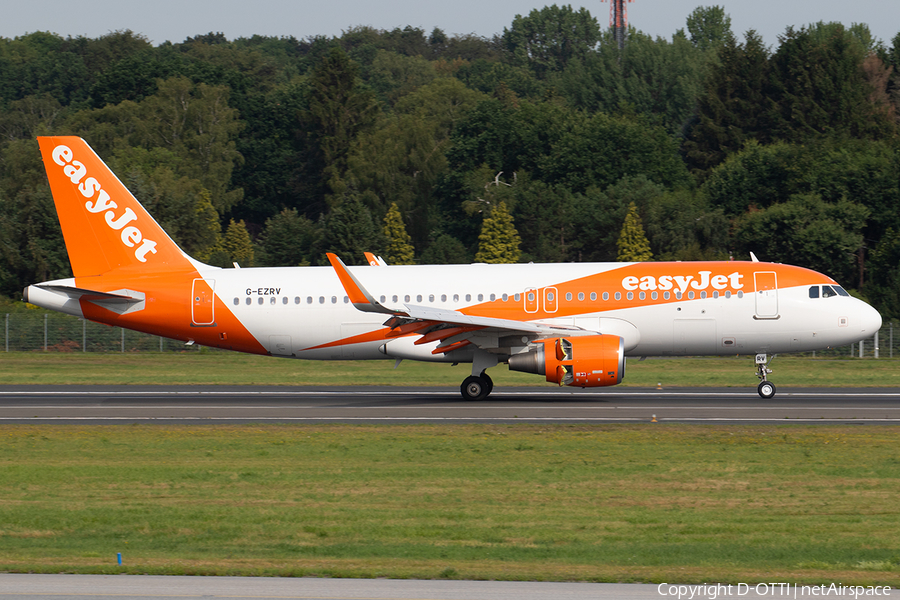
{"points": [[56, 332]]}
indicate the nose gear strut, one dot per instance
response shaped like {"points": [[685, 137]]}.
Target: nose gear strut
{"points": [[766, 388]]}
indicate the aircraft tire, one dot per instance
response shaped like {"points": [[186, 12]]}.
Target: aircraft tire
{"points": [[475, 388], [766, 389]]}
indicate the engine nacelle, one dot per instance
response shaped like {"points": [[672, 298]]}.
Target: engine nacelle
{"points": [[584, 361]]}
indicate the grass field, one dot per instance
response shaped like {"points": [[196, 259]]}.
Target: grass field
{"points": [[597, 503], [242, 369]]}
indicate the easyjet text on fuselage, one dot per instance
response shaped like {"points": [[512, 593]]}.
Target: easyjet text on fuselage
{"points": [[682, 283]]}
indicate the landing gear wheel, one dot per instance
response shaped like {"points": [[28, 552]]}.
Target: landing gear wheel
{"points": [[766, 389], [476, 388], [490, 383]]}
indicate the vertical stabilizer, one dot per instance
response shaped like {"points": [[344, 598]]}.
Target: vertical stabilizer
{"points": [[104, 226]]}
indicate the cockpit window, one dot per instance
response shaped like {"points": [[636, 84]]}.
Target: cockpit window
{"points": [[827, 292], [814, 291], [841, 291]]}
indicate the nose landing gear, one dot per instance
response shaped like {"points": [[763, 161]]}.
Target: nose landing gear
{"points": [[766, 388]]}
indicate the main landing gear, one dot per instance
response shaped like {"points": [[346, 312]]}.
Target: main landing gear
{"points": [[766, 388], [479, 385], [476, 387]]}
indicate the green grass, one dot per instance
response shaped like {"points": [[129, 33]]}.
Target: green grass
{"points": [[229, 368], [597, 503]]}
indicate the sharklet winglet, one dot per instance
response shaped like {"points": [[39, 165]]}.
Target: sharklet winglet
{"points": [[359, 296]]}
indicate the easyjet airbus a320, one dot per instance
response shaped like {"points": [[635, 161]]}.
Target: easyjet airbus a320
{"points": [[572, 323]]}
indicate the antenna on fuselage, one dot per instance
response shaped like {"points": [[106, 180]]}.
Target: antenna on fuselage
{"points": [[753, 257]]}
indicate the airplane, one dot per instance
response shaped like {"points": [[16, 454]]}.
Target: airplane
{"points": [[572, 323]]}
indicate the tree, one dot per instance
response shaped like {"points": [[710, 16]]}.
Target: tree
{"points": [[287, 239], [709, 27], [399, 250], [349, 231], [445, 250], [499, 241], [735, 105], [237, 243], [548, 38], [806, 231], [338, 110], [820, 87], [633, 244]]}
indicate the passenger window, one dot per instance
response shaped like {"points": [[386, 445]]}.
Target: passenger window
{"points": [[296, 299], [248, 301], [568, 296], [419, 298], [456, 297], [431, 297], [237, 301], [593, 296], [284, 300], [629, 295], [581, 295], [406, 298], [346, 300], [272, 300], [260, 300], [394, 298], [814, 291], [618, 295], [827, 292], [468, 297], [481, 297], [655, 295], [643, 295], [321, 299], [605, 296], [703, 295], [334, 299], [666, 295], [505, 297], [443, 297], [517, 297], [309, 299]]}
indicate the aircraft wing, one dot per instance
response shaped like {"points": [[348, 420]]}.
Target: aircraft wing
{"points": [[451, 328]]}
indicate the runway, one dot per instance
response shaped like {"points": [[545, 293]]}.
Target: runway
{"points": [[543, 405], [143, 587]]}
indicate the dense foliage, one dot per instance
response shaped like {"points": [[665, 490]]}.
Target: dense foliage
{"points": [[273, 151]]}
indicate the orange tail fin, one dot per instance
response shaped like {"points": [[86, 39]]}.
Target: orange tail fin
{"points": [[104, 226]]}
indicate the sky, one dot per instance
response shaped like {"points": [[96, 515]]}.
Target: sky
{"points": [[175, 20]]}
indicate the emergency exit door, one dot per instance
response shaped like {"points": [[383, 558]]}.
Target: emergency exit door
{"points": [[203, 302], [766, 294]]}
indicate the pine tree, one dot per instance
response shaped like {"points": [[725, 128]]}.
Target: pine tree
{"points": [[633, 244], [400, 250], [237, 243], [499, 240]]}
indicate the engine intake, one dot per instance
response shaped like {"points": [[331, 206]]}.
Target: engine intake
{"points": [[585, 361]]}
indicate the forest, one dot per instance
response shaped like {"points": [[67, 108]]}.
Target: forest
{"points": [[544, 143]]}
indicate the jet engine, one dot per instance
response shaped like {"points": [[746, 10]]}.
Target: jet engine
{"points": [[583, 361]]}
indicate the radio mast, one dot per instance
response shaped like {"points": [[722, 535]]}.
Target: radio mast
{"points": [[618, 20]]}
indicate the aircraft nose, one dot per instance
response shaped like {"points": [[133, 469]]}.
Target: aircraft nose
{"points": [[869, 319]]}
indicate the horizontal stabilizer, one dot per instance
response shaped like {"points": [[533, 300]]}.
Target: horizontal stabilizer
{"points": [[79, 293]]}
